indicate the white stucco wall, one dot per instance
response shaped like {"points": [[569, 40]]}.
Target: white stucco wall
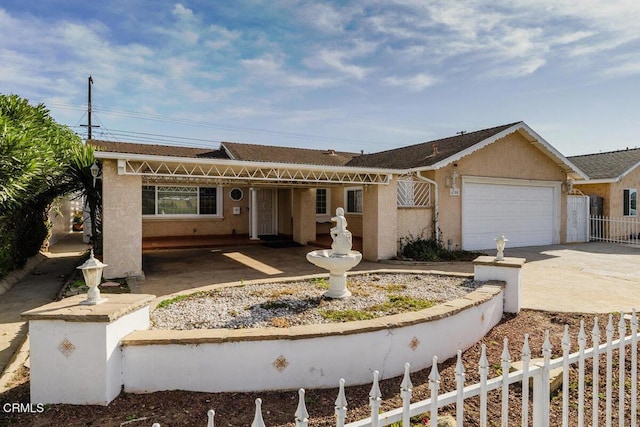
{"points": [[249, 363], [91, 373], [121, 222]]}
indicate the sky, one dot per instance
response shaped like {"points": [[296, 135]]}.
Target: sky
{"points": [[347, 75]]}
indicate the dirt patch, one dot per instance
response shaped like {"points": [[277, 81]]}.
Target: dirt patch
{"points": [[174, 408]]}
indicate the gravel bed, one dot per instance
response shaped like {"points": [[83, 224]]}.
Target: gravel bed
{"points": [[301, 302]]}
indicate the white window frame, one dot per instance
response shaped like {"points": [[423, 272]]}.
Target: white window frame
{"points": [[346, 198], [326, 215], [219, 203], [627, 208]]}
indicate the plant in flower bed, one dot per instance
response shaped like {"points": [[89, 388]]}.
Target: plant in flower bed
{"points": [[433, 250], [302, 302]]}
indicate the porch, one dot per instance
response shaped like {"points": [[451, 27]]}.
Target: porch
{"points": [[211, 241]]}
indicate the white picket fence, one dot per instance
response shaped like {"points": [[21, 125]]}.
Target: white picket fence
{"points": [[615, 230], [627, 385]]}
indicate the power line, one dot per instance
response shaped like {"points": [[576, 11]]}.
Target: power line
{"points": [[132, 136], [214, 125]]}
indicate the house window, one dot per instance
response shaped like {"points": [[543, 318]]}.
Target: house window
{"points": [[208, 202], [412, 194], [322, 201], [353, 200], [630, 202], [148, 200], [178, 200], [405, 193]]}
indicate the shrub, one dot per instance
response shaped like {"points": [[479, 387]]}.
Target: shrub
{"points": [[432, 250]]}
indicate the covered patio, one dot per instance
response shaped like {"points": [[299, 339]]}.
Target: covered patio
{"points": [[248, 201], [276, 242]]}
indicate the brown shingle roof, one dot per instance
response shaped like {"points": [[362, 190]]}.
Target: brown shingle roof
{"points": [[608, 165], [426, 154], [157, 150], [273, 154]]}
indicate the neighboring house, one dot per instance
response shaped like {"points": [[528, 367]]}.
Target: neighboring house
{"points": [[613, 176], [468, 189]]}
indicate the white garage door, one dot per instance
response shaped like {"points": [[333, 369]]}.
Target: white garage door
{"points": [[526, 212]]}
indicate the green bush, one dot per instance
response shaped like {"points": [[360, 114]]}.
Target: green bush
{"points": [[40, 160], [421, 249], [432, 250]]}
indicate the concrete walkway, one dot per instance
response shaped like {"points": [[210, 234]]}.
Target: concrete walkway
{"points": [[38, 287]]}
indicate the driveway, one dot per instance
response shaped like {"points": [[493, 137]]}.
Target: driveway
{"points": [[583, 277], [586, 277]]}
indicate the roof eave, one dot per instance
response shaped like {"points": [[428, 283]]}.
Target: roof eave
{"points": [[228, 151], [598, 181], [232, 162]]}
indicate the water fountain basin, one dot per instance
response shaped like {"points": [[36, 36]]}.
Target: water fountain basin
{"points": [[338, 265]]}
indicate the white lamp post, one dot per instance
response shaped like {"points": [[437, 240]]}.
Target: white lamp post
{"points": [[501, 242], [92, 272]]}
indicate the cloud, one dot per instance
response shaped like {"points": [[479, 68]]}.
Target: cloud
{"points": [[270, 69], [325, 17], [337, 61], [223, 38], [415, 83], [508, 38]]}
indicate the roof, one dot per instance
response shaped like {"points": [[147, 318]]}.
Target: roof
{"points": [[427, 153], [234, 151], [612, 165], [156, 150], [274, 154]]}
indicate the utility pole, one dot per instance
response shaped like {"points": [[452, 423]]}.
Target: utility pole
{"points": [[89, 125]]}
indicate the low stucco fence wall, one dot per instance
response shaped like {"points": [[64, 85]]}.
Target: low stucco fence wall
{"points": [[312, 356], [86, 354]]}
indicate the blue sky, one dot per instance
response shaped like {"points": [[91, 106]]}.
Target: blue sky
{"points": [[350, 75]]}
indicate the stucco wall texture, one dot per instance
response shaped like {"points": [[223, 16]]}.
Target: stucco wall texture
{"points": [[612, 193], [502, 159], [121, 222]]}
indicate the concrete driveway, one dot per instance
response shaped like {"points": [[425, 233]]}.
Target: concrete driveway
{"points": [[586, 277]]}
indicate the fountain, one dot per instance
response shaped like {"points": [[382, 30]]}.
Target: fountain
{"points": [[339, 259]]}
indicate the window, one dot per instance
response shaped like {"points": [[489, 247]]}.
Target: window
{"points": [[630, 202], [207, 201], [236, 194], [148, 200], [322, 201], [178, 200], [353, 200], [412, 194], [406, 193]]}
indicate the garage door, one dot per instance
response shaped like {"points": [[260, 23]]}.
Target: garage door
{"points": [[526, 212]]}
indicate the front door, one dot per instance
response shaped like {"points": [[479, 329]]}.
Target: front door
{"points": [[266, 200]]}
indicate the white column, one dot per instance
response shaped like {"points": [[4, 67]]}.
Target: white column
{"points": [[509, 271], [75, 349], [253, 207]]}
